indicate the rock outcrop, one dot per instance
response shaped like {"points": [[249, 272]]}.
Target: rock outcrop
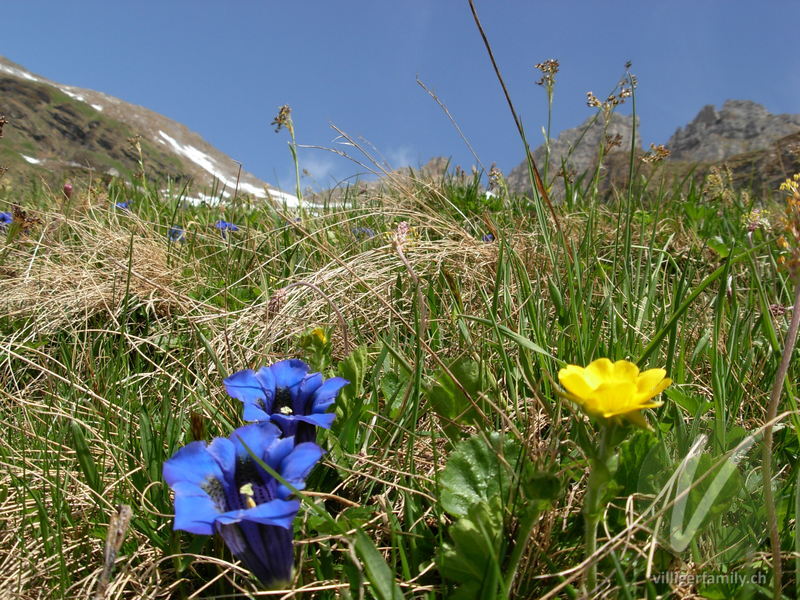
{"points": [[579, 148], [739, 126]]}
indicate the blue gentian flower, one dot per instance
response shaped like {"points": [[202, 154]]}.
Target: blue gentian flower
{"points": [[123, 205], [176, 234], [220, 488], [288, 395], [5, 219], [363, 232], [489, 237], [225, 226]]}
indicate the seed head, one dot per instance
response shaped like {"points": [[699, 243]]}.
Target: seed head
{"points": [[283, 119]]}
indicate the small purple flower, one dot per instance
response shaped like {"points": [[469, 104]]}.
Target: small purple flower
{"points": [[176, 234], [5, 220], [68, 190], [221, 488], [489, 237], [288, 395], [123, 205]]}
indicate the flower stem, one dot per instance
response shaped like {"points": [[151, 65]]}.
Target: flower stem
{"points": [[766, 467], [599, 477]]}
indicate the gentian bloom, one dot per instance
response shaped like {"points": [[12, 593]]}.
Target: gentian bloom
{"points": [[224, 226], [5, 219], [123, 205], [221, 488], [288, 395], [489, 237], [363, 232], [176, 234]]}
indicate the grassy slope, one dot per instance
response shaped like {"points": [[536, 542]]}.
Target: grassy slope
{"points": [[112, 338]]}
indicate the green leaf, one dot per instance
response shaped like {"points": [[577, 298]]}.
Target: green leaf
{"points": [[481, 468], [450, 402], [85, 458], [392, 385], [473, 558], [718, 245], [643, 464], [353, 368], [378, 572], [692, 404]]}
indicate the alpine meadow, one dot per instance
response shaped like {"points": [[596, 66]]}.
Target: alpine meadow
{"points": [[425, 384]]}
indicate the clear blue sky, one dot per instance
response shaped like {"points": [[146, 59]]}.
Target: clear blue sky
{"points": [[224, 67]]}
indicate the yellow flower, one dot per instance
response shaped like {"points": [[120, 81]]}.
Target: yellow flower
{"points": [[608, 390], [319, 333]]}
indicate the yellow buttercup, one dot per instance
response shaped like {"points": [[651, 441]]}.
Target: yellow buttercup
{"points": [[614, 390]]}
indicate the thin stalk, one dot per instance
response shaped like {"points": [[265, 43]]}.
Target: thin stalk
{"points": [[766, 467], [592, 504]]}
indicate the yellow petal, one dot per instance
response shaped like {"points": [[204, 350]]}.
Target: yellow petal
{"points": [[599, 371], [615, 398], [625, 371], [644, 395], [573, 378], [636, 418], [649, 379]]}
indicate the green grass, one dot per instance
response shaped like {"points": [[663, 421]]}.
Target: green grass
{"points": [[454, 468]]}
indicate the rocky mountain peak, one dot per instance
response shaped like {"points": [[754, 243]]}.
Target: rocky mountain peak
{"points": [[579, 147], [739, 126]]}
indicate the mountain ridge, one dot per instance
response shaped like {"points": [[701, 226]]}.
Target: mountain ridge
{"points": [[35, 107], [760, 147]]}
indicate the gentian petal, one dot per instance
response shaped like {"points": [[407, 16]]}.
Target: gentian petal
{"points": [[245, 386], [308, 386], [224, 453], [195, 511], [255, 438], [279, 450], [289, 373], [276, 512], [267, 381], [265, 550], [192, 464], [286, 422], [296, 466], [325, 395]]}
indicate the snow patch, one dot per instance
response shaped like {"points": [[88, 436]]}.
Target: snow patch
{"points": [[19, 73], [283, 197], [30, 159], [77, 97], [209, 165]]}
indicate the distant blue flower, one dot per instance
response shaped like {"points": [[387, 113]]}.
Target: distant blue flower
{"points": [[123, 205], [220, 488], [176, 234], [363, 232], [5, 220], [489, 237], [288, 395], [225, 226]]}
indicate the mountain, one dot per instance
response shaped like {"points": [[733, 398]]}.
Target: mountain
{"points": [[759, 148], [578, 147], [54, 131], [739, 126]]}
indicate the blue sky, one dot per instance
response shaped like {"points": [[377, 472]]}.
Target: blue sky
{"points": [[224, 67]]}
